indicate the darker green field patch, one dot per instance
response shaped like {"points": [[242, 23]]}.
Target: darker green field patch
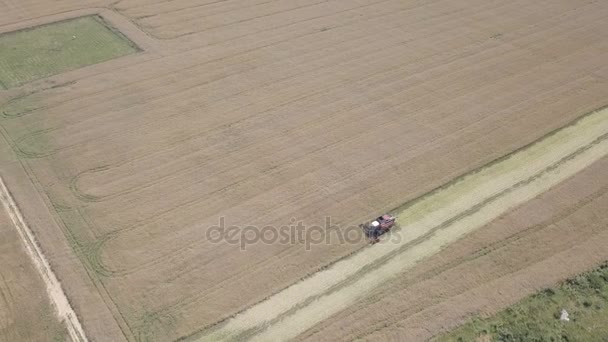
{"points": [[51, 49], [537, 318]]}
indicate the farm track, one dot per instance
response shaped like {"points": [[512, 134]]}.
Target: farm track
{"points": [[54, 289]]}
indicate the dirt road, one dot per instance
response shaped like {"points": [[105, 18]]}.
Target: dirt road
{"points": [[26, 313], [62, 306]]}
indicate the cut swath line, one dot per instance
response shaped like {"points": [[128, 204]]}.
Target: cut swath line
{"points": [[428, 225], [60, 302]]}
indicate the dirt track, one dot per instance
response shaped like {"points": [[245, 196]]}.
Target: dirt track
{"points": [[266, 111], [26, 313], [55, 292]]}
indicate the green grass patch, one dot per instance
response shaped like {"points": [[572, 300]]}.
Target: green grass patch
{"points": [[51, 49], [536, 318]]}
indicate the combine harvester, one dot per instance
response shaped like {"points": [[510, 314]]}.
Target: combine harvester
{"points": [[380, 226]]}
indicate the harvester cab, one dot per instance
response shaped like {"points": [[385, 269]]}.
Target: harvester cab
{"points": [[378, 227]]}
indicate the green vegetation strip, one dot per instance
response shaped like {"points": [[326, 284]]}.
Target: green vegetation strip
{"points": [[537, 318], [51, 49]]}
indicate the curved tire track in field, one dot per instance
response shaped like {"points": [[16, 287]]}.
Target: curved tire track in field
{"points": [[63, 308], [436, 220], [26, 103], [10, 109]]}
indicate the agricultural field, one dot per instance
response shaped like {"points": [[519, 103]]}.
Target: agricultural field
{"points": [[25, 311], [55, 48], [584, 298], [481, 124]]}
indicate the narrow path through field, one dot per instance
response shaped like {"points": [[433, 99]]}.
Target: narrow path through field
{"points": [[428, 224], [64, 310]]}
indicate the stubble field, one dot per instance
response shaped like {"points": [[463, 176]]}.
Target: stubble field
{"points": [[264, 111], [26, 313]]}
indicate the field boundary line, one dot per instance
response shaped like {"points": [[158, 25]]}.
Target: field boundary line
{"points": [[55, 291]]}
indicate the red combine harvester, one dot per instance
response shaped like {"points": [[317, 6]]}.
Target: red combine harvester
{"points": [[378, 227]]}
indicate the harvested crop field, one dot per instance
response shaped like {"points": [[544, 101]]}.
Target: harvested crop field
{"points": [[25, 311], [477, 120]]}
